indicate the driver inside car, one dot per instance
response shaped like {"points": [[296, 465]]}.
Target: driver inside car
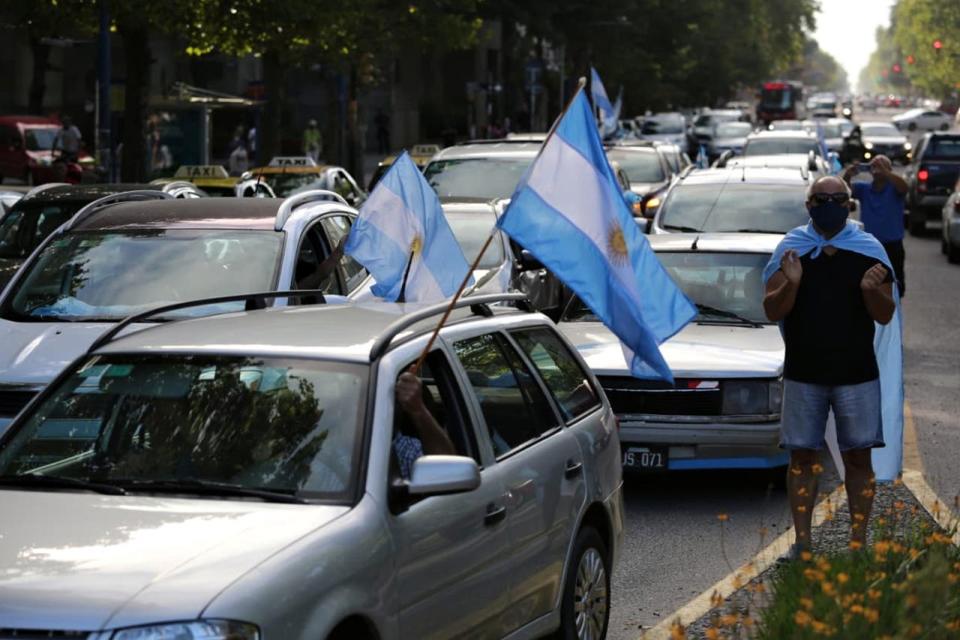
{"points": [[418, 433]]}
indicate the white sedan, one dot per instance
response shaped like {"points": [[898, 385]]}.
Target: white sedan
{"points": [[724, 411], [923, 119]]}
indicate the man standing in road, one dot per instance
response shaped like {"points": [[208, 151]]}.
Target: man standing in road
{"points": [[67, 140], [313, 140], [881, 210], [827, 285]]}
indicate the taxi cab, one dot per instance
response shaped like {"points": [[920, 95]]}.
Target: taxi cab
{"points": [[287, 175], [215, 181], [419, 153]]}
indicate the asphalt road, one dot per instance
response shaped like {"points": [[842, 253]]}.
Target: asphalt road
{"points": [[674, 548]]}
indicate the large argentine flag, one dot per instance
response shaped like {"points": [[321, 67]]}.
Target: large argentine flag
{"points": [[609, 114], [402, 223], [568, 211]]}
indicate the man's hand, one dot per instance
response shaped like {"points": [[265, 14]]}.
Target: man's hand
{"points": [[791, 267], [873, 278], [881, 164], [410, 393]]}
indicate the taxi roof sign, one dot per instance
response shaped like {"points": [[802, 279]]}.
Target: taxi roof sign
{"points": [[424, 149], [292, 161], [190, 171]]}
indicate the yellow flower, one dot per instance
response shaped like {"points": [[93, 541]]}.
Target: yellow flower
{"points": [[802, 491], [874, 594], [722, 517], [747, 622], [828, 589], [806, 556], [856, 609], [806, 603], [858, 517], [817, 468], [855, 545], [796, 471], [677, 632], [737, 581], [843, 578], [899, 505], [801, 509], [821, 628], [802, 618], [712, 634], [728, 620], [912, 601], [871, 615], [953, 625]]}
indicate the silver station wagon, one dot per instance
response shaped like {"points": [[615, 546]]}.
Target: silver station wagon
{"points": [[280, 474]]}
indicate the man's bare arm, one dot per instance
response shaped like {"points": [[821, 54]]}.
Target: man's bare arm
{"points": [[781, 293], [878, 295]]}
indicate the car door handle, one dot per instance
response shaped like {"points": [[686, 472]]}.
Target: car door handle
{"points": [[495, 514], [573, 469]]}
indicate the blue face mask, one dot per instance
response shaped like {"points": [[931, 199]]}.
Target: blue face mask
{"points": [[829, 216]]}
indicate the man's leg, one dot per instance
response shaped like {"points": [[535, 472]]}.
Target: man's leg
{"points": [[861, 486], [802, 491]]}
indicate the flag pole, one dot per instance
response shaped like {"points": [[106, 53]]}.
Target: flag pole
{"points": [[406, 274], [463, 285]]}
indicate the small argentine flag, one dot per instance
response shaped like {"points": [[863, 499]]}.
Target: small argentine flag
{"points": [[609, 113], [403, 239], [569, 212]]}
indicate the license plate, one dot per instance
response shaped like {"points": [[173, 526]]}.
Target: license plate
{"points": [[645, 458]]}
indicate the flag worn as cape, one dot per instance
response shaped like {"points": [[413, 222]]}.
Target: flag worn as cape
{"points": [[887, 341]]}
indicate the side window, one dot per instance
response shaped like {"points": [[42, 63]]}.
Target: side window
{"points": [[447, 430], [311, 270], [6, 140], [561, 372], [337, 229], [513, 405]]}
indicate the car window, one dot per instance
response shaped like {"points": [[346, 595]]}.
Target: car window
{"points": [[733, 129], [38, 139], [943, 148], [640, 166], [107, 275], [735, 207], [311, 270], [880, 131], [514, 407], [337, 228], [565, 379], [776, 146], [444, 400], [486, 178], [288, 425], [471, 232]]}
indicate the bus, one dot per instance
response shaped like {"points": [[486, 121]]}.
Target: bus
{"points": [[780, 100]]}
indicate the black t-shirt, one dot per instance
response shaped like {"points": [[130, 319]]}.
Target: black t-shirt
{"points": [[829, 333]]}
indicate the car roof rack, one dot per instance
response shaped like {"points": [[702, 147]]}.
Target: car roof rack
{"points": [[253, 300], [477, 303], [44, 187], [114, 198], [687, 170], [290, 204], [499, 141]]}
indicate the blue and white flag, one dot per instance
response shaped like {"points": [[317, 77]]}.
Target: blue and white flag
{"points": [[569, 212], [609, 115], [401, 224], [887, 340]]}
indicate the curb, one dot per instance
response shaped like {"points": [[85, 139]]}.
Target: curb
{"points": [[703, 603]]}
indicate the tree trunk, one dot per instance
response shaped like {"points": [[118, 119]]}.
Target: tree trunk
{"points": [[274, 77], [38, 83], [136, 52]]}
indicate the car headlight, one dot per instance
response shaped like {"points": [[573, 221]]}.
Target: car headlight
{"points": [[752, 397], [868, 145], [907, 146], [194, 630]]}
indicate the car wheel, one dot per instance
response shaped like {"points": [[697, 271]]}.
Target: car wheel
{"points": [[918, 223], [585, 607]]}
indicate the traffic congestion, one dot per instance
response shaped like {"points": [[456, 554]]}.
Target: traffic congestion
{"points": [[569, 374]]}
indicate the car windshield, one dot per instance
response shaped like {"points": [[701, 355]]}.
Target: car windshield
{"points": [[471, 231], [283, 184], [726, 281], [786, 125], [734, 129], [640, 165], [944, 148], [830, 130], [27, 225], [283, 425], [777, 146], [39, 138], [113, 274], [486, 178], [662, 125], [735, 207], [880, 131]]}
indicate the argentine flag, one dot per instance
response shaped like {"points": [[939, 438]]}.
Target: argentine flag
{"points": [[402, 235], [609, 114], [568, 211]]}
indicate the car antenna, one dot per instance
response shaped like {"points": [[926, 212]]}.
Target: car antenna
{"points": [[693, 247], [743, 175]]}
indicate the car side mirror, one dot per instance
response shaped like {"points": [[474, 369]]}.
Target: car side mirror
{"points": [[441, 475], [529, 262]]}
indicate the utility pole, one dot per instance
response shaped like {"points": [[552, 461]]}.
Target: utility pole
{"points": [[103, 147]]}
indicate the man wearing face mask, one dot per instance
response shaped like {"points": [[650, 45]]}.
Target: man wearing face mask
{"points": [[881, 209], [827, 284]]}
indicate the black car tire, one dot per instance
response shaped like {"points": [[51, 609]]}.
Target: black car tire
{"points": [[918, 223], [590, 549]]}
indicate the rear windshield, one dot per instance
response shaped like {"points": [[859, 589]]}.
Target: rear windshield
{"points": [[107, 276], [944, 148], [640, 166], [486, 178], [777, 146], [471, 232], [734, 129], [663, 124], [741, 207], [881, 131]]}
